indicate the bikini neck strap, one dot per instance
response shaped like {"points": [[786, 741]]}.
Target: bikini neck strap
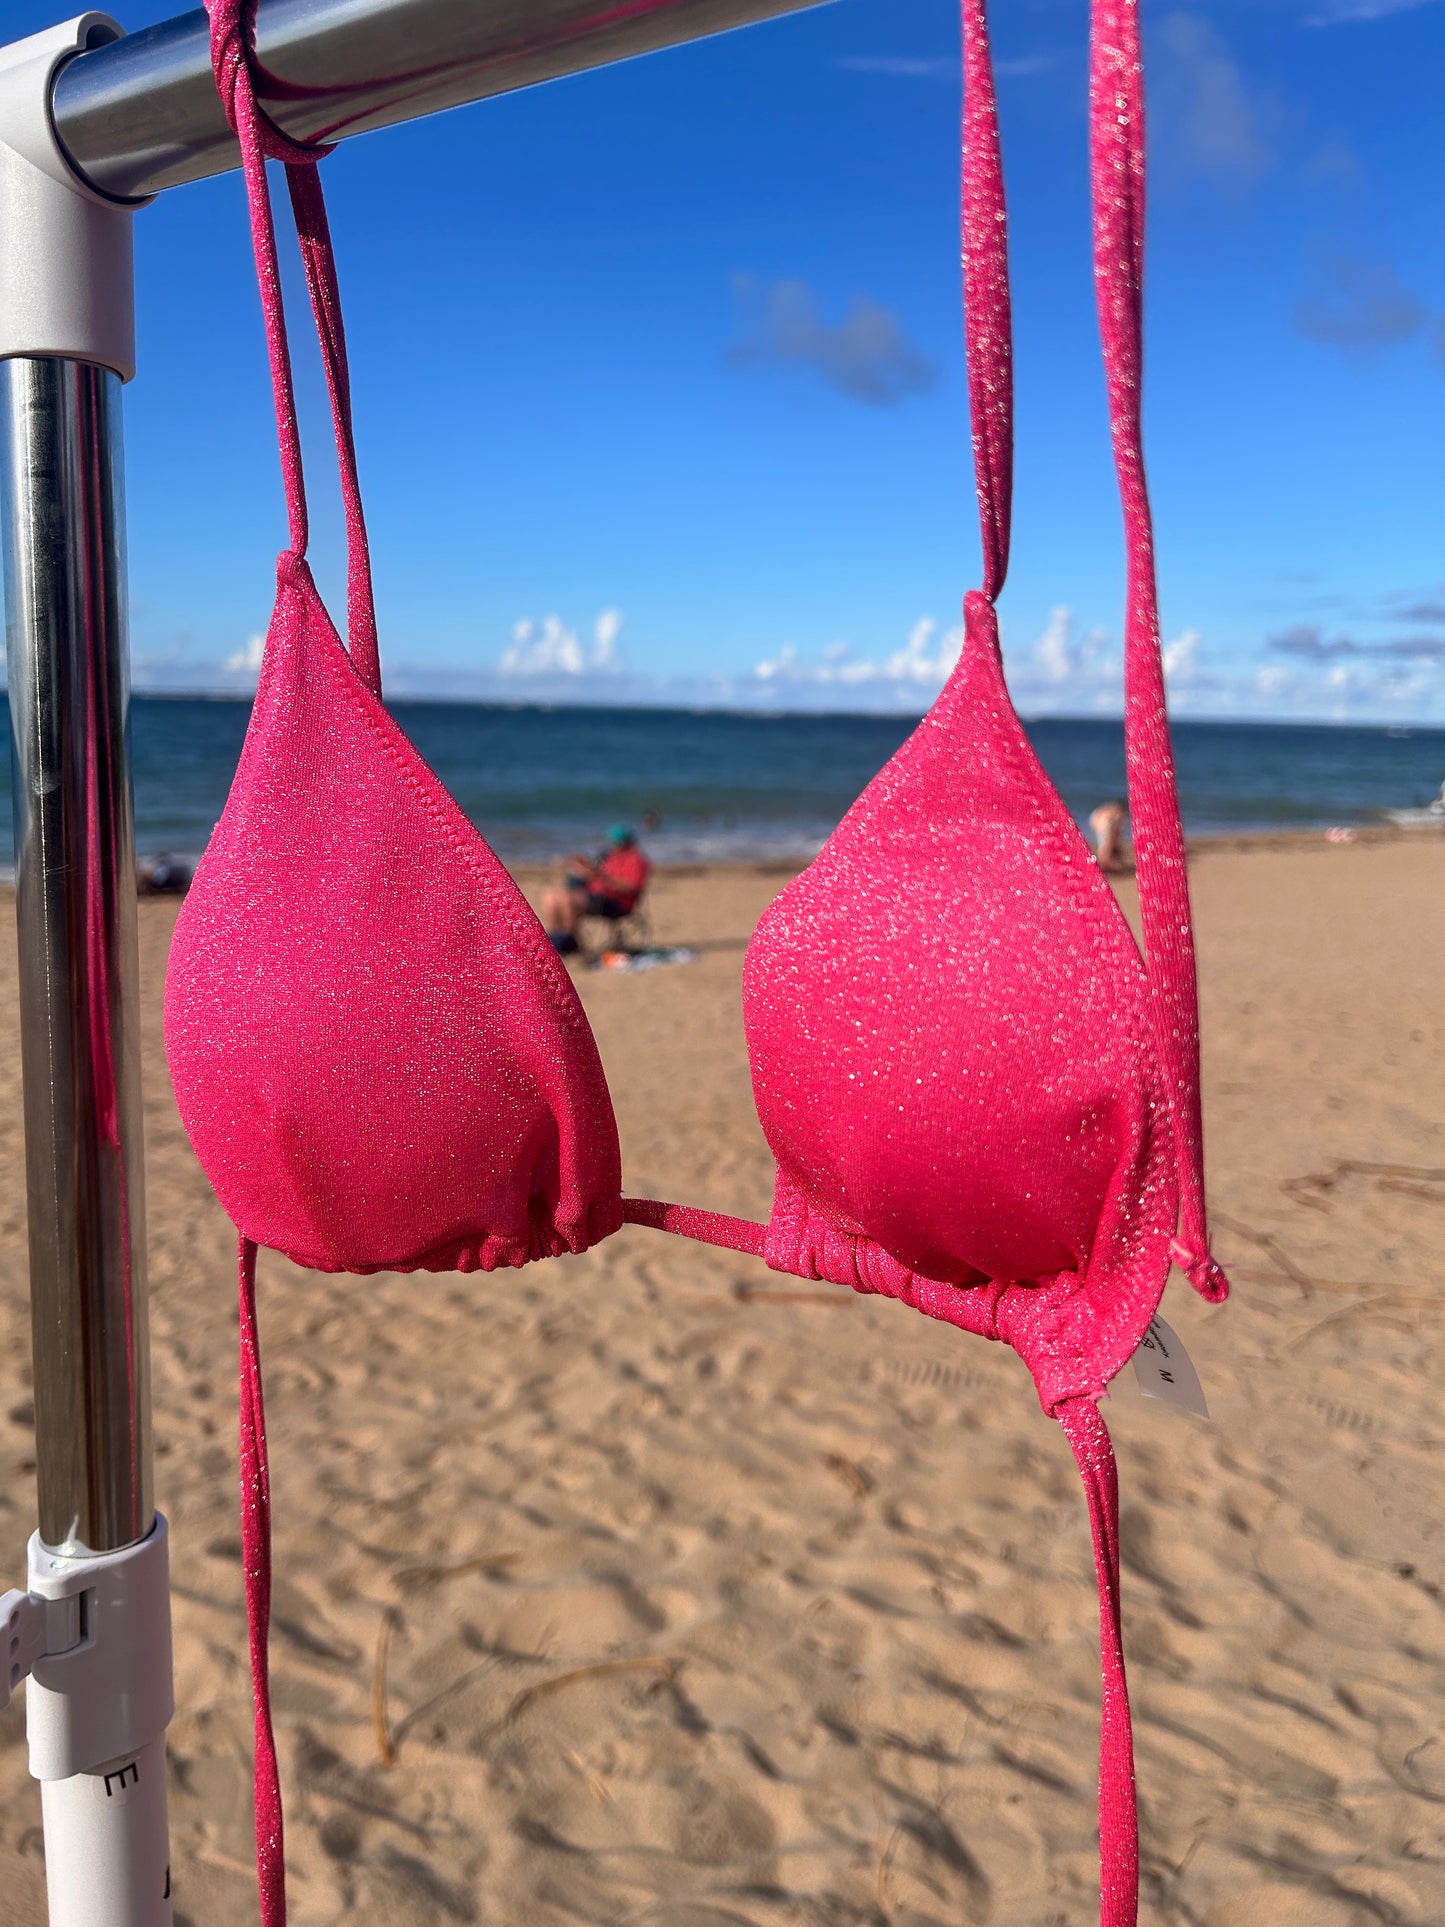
{"points": [[1116, 141], [234, 64], [987, 309]]}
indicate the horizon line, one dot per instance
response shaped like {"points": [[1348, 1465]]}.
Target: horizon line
{"points": [[547, 706], [637, 706]]}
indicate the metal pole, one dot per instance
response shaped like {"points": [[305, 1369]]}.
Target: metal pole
{"points": [[142, 114], [95, 1617], [97, 1710], [65, 625]]}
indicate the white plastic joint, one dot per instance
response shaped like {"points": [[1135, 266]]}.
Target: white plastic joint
{"points": [[107, 1693], [67, 279]]}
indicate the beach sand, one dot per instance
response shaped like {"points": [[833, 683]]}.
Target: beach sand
{"points": [[681, 1594]]}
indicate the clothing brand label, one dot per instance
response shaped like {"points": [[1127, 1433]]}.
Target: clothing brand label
{"points": [[1163, 1369]]}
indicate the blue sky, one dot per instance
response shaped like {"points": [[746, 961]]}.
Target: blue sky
{"points": [[660, 380]]}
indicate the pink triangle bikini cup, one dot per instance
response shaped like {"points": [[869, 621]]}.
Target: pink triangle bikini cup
{"points": [[980, 1098]]}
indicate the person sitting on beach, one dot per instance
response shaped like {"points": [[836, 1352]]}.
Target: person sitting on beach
{"points": [[162, 876], [1107, 823], [610, 887]]}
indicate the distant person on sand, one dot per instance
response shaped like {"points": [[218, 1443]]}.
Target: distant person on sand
{"points": [[611, 887], [1107, 823], [162, 876]]}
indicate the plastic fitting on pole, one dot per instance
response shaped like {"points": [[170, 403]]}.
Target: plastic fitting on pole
{"points": [[67, 281], [96, 1715]]}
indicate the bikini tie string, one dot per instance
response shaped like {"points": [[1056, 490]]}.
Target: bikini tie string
{"points": [[256, 1559], [233, 63], [1088, 1437], [1204, 1272]]}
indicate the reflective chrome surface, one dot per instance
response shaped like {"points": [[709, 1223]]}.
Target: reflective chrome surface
{"points": [[143, 114], [62, 550]]}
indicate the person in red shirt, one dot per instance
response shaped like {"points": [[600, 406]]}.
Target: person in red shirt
{"points": [[611, 887]]}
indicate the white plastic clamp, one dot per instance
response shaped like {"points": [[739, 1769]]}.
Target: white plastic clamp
{"points": [[108, 1692], [93, 1635]]}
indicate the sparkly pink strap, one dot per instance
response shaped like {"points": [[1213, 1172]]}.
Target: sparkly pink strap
{"points": [[232, 25], [1116, 115], [1118, 1807], [256, 1558], [1117, 170], [314, 233], [987, 312], [705, 1227]]}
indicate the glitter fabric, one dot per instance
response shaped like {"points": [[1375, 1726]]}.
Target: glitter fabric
{"points": [[983, 1100], [1116, 141], [256, 1560], [379, 1058]]}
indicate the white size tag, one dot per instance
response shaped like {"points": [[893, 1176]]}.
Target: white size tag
{"points": [[1163, 1369]]}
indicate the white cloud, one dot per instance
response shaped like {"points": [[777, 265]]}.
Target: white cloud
{"points": [[605, 633], [1360, 305], [549, 648], [1056, 669], [902, 66], [1068, 660], [1179, 656], [1054, 650], [1215, 123], [943, 67], [865, 356], [922, 659], [1336, 13], [914, 672], [246, 661], [783, 665]]}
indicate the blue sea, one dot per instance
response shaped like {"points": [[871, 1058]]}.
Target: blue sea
{"points": [[541, 782]]}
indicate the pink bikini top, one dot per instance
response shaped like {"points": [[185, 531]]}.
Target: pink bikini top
{"points": [[981, 1098]]}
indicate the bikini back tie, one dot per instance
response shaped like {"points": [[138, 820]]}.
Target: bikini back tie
{"points": [[982, 1098]]}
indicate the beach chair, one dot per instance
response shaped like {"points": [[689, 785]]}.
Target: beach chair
{"points": [[630, 931]]}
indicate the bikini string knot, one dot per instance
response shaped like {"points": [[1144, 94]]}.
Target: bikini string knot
{"points": [[233, 53], [237, 73]]}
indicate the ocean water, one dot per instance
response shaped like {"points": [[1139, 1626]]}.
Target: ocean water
{"points": [[542, 782]]}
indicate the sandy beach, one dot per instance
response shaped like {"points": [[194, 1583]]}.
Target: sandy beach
{"points": [[652, 1589]]}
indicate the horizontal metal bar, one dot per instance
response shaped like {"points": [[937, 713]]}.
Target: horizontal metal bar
{"points": [[142, 113]]}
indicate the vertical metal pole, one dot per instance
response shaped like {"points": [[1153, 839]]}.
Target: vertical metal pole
{"points": [[99, 1693], [62, 539], [65, 622], [97, 1712]]}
